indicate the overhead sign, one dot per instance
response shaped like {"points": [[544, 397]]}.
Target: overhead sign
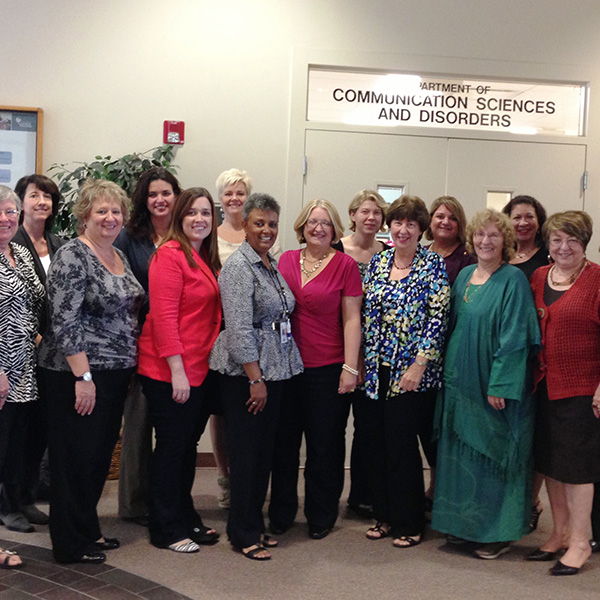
{"points": [[392, 99]]}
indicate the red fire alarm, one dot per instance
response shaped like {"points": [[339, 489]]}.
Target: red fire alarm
{"points": [[174, 132]]}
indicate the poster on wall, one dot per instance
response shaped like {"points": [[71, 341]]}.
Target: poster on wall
{"points": [[422, 100], [20, 143]]}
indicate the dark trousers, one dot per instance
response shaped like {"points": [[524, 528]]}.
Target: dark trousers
{"points": [[310, 405], [250, 444], [396, 467], [360, 493], [596, 513], [80, 449], [36, 442], [177, 428], [13, 426], [136, 454]]}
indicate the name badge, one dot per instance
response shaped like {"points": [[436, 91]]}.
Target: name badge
{"points": [[285, 331]]}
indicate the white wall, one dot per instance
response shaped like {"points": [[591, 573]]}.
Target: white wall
{"points": [[107, 74]]}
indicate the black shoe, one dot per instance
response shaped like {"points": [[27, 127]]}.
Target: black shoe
{"points": [[318, 534], [34, 515], [595, 546], [540, 555], [142, 520], [89, 558], [108, 544], [201, 536], [364, 511], [16, 522], [560, 569], [279, 529], [492, 550]]}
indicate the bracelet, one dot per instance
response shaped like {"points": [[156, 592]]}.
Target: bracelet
{"points": [[350, 369], [261, 378], [421, 363]]}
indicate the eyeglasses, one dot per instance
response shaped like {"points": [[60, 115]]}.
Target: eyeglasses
{"points": [[10, 212], [493, 237], [571, 242], [312, 223]]}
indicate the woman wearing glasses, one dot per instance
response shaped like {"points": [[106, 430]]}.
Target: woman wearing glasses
{"points": [[485, 412], [326, 326], [21, 299], [567, 441]]}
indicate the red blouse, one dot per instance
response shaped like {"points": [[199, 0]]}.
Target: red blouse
{"points": [[184, 317], [570, 357]]}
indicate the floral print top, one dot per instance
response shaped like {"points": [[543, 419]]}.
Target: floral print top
{"points": [[404, 318]]}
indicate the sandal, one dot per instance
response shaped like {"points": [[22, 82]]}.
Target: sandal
{"points": [[536, 510], [253, 552], [409, 542], [185, 546], [5, 562], [268, 542], [205, 536], [377, 532]]}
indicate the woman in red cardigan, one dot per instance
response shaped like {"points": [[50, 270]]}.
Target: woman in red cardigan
{"points": [[567, 446], [179, 332]]}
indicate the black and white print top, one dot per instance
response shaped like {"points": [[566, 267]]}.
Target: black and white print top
{"points": [[254, 297], [91, 310], [21, 301]]}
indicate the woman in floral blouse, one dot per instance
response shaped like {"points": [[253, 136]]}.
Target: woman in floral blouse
{"points": [[405, 311]]}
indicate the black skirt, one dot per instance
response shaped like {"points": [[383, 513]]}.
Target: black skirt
{"points": [[567, 439]]}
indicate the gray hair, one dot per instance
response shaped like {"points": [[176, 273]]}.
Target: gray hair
{"points": [[260, 202], [7, 195]]}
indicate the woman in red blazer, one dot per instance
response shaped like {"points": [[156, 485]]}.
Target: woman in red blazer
{"points": [[179, 332]]}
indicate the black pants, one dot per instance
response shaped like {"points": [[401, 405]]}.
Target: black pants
{"points": [[80, 449], [360, 493], [396, 467], [596, 513], [13, 426], [178, 428], [36, 442], [250, 444], [310, 405]]}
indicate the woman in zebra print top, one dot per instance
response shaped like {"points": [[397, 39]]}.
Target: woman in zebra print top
{"points": [[21, 296]]}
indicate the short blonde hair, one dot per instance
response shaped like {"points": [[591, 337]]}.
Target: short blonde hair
{"points": [[95, 189], [231, 177], [363, 196], [305, 214], [575, 223], [504, 225], [457, 210]]}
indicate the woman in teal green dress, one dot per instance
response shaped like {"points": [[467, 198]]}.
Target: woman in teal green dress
{"points": [[485, 410]]}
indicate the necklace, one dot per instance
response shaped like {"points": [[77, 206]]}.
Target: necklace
{"points": [[571, 279], [317, 265], [402, 268], [479, 286], [441, 252], [527, 253]]}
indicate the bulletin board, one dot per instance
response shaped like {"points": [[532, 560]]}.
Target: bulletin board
{"points": [[21, 134]]}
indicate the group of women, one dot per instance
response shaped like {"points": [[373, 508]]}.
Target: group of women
{"points": [[436, 345]]}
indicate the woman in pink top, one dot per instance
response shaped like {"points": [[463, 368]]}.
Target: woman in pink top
{"points": [[179, 332], [326, 327]]}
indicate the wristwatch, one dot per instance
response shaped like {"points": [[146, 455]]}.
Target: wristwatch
{"points": [[87, 376]]}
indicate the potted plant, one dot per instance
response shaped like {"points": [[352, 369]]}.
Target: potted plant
{"points": [[124, 171]]}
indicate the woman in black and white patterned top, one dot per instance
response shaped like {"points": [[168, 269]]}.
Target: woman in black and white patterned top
{"points": [[86, 361], [21, 296]]}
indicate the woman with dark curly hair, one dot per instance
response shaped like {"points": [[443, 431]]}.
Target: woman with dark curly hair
{"points": [[528, 217], [153, 199], [404, 325]]}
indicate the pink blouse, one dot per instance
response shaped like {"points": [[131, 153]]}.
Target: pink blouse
{"points": [[317, 319]]}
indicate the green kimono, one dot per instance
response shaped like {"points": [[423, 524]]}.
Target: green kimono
{"points": [[484, 468]]}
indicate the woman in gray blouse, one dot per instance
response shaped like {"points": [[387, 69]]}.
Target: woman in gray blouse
{"points": [[256, 354], [86, 361]]}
